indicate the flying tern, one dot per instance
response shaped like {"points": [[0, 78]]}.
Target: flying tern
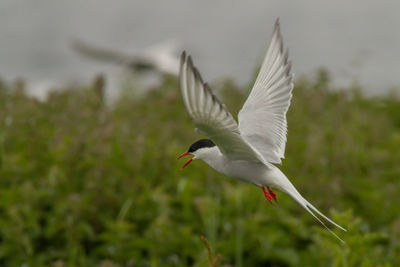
{"points": [[248, 150], [161, 57]]}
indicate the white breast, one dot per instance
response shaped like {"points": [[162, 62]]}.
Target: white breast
{"points": [[252, 172]]}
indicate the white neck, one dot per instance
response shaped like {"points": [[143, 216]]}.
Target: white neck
{"points": [[212, 156]]}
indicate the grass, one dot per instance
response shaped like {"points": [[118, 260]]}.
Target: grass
{"points": [[87, 183]]}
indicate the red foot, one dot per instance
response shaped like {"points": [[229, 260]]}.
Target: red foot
{"points": [[271, 193], [267, 195]]}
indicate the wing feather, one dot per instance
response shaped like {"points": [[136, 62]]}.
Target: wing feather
{"points": [[210, 116], [262, 119]]}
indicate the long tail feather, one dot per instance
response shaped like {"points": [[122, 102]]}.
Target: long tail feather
{"points": [[323, 216], [310, 208]]}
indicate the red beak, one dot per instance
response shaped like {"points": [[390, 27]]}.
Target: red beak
{"points": [[185, 154]]}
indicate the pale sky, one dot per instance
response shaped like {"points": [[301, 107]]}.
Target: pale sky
{"points": [[355, 40]]}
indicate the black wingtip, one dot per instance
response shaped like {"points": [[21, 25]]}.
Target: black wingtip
{"points": [[190, 62], [207, 88], [182, 63], [183, 57], [197, 75]]}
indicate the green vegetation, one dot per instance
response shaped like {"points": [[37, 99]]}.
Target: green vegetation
{"points": [[85, 183]]}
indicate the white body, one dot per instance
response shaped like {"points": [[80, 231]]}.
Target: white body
{"points": [[253, 172]]}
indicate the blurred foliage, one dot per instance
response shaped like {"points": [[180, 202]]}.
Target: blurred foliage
{"points": [[88, 183]]}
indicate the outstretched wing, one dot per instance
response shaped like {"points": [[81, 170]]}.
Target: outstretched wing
{"points": [[103, 54], [262, 119], [209, 115]]}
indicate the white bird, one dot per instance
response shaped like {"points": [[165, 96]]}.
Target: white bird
{"points": [[248, 150]]}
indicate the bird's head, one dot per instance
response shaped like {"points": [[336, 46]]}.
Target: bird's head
{"points": [[200, 149]]}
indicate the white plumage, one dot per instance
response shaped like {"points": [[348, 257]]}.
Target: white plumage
{"points": [[262, 120], [247, 151]]}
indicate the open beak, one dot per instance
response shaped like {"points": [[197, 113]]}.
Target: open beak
{"points": [[185, 154]]}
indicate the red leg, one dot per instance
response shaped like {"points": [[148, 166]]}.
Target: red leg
{"points": [[271, 193], [268, 196]]}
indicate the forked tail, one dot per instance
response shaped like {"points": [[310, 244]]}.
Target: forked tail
{"points": [[291, 190]]}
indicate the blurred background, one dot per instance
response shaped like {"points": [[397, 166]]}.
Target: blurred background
{"points": [[91, 122]]}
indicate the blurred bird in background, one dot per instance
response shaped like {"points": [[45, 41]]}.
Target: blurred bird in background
{"points": [[162, 57]]}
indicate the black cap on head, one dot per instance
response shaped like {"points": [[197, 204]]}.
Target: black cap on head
{"points": [[200, 144]]}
